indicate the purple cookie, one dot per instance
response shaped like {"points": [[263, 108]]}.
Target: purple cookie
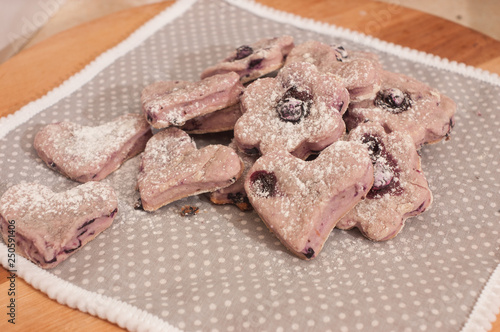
{"points": [[218, 121], [360, 70], [91, 153], [302, 201], [405, 104], [172, 103], [235, 193], [50, 226], [299, 111], [400, 189], [254, 61], [173, 168]]}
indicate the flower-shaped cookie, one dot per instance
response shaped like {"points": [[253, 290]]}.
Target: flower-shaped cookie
{"points": [[405, 104], [254, 61], [172, 103], [360, 70], [50, 226], [302, 201], [85, 153], [299, 111], [173, 168], [400, 189]]}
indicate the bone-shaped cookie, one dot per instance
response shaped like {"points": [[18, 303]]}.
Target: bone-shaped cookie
{"points": [[172, 103], [84, 153], [400, 189], [218, 121], [302, 201], [172, 168], [48, 227], [255, 60], [299, 111]]}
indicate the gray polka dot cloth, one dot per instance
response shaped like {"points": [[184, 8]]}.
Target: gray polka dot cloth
{"points": [[221, 269]]}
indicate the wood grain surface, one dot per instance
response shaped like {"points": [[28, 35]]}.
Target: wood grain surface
{"points": [[35, 71]]}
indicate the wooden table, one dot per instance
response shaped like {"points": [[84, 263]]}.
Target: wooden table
{"points": [[35, 71]]}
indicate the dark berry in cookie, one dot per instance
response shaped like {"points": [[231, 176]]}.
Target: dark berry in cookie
{"points": [[243, 51], [263, 183], [393, 100]]}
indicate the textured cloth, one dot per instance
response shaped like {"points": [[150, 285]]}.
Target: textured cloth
{"points": [[221, 268]]}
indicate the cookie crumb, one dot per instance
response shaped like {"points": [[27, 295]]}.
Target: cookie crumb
{"points": [[189, 210]]}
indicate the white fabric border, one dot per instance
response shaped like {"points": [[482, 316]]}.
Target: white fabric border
{"points": [[358, 37], [123, 314], [133, 318]]}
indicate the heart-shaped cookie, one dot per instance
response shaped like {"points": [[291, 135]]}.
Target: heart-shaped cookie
{"points": [[172, 103], [302, 201], [85, 153], [400, 189], [172, 168], [48, 227], [253, 61]]}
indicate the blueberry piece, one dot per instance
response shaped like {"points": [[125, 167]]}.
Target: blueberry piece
{"points": [[294, 105], [383, 175], [238, 197], [393, 100], [254, 63], [243, 51], [67, 251], [263, 183], [52, 164], [341, 53], [113, 213], [291, 109], [420, 209], [86, 224], [48, 262], [385, 168], [309, 253], [295, 93]]}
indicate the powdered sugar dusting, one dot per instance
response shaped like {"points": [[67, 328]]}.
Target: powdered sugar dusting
{"points": [[39, 210], [381, 216], [78, 150], [261, 126], [306, 190]]}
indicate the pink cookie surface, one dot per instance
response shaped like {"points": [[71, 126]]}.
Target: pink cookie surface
{"points": [[173, 168], [218, 121], [302, 201], [361, 71], [400, 189], [235, 193], [84, 153], [254, 61], [172, 103], [299, 111], [50, 226], [405, 104]]}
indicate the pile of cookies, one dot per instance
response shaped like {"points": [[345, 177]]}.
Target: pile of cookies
{"points": [[324, 137]]}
